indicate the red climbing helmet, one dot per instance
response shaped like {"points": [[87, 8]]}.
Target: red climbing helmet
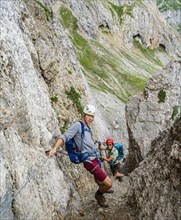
{"points": [[109, 141]]}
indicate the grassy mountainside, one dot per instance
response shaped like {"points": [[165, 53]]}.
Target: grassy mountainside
{"points": [[108, 65], [174, 6], [165, 5]]}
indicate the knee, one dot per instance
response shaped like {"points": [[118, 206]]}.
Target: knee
{"points": [[108, 182]]}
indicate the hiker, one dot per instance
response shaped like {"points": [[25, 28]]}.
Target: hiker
{"points": [[112, 158], [92, 163]]}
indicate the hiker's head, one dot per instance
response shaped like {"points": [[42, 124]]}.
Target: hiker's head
{"points": [[89, 113], [110, 143], [89, 110]]}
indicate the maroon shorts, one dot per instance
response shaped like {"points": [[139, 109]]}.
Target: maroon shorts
{"points": [[98, 173]]}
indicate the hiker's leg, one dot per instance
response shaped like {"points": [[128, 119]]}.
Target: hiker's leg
{"points": [[106, 185], [117, 174], [103, 188], [101, 183], [115, 168], [101, 178], [98, 182]]}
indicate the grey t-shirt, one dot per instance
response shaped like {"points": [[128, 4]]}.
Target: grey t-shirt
{"points": [[74, 131]]}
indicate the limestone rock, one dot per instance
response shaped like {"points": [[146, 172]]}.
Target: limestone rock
{"points": [[40, 64], [155, 188], [149, 114]]}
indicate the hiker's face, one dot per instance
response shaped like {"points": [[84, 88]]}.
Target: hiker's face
{"points": [[109, 146], [89, 119]]}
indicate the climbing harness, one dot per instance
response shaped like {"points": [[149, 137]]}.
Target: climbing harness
{"points": [[95, 167], [21, 188], [91, 171]]}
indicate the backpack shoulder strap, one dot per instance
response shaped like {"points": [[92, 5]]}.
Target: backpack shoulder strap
{"points": [[82, 129], [90, 130], [82, 135]]}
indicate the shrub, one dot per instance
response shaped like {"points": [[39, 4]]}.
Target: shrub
{"points": [[161, 96], [73, 95], [175, 111], [54, 99]]}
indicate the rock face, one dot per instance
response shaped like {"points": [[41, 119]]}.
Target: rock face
{"points": [[117, 44], [171, 11], [55, 57], [32, 70], [149, 114], [155, 189]]}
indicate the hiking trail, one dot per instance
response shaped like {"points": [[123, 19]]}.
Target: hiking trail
{"points": [[118, 208]]}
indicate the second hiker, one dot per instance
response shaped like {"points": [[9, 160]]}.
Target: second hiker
{"points": [[112, 158]]}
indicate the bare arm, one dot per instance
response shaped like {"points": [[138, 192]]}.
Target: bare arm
{"points": [[58, 143], [102, 147], [107, 159], [70, 133]]}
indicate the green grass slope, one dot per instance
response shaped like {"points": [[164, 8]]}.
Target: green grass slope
{"points": [[108, 65]]}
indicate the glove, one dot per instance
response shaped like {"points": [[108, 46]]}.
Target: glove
{"points": [[99, 143], [101, 159]]}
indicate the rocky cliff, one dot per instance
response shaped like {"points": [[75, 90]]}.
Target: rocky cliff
{"points": [[155, 189], [149, 114], [171, 10], [56, 56]]}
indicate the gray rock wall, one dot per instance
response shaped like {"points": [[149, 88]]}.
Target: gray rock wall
{"points": [[149, 114], [34, 67], [171, 12], [155, 186], [123, 28], [38, 65]]}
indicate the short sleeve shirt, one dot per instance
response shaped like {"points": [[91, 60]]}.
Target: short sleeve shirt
{"points": [[113, 153]]}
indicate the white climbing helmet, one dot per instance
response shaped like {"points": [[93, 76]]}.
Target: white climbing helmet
{"points": [[89, 110]]}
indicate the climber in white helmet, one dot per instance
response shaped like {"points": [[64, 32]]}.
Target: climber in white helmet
{"points": [[91, 163]]}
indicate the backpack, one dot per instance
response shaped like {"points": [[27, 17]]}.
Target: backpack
{"points": [[120, 149], [74, 152]]}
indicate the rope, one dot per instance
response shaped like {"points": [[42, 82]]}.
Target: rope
{"points": [[22, 187], [62, 152], [58, 151]]}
